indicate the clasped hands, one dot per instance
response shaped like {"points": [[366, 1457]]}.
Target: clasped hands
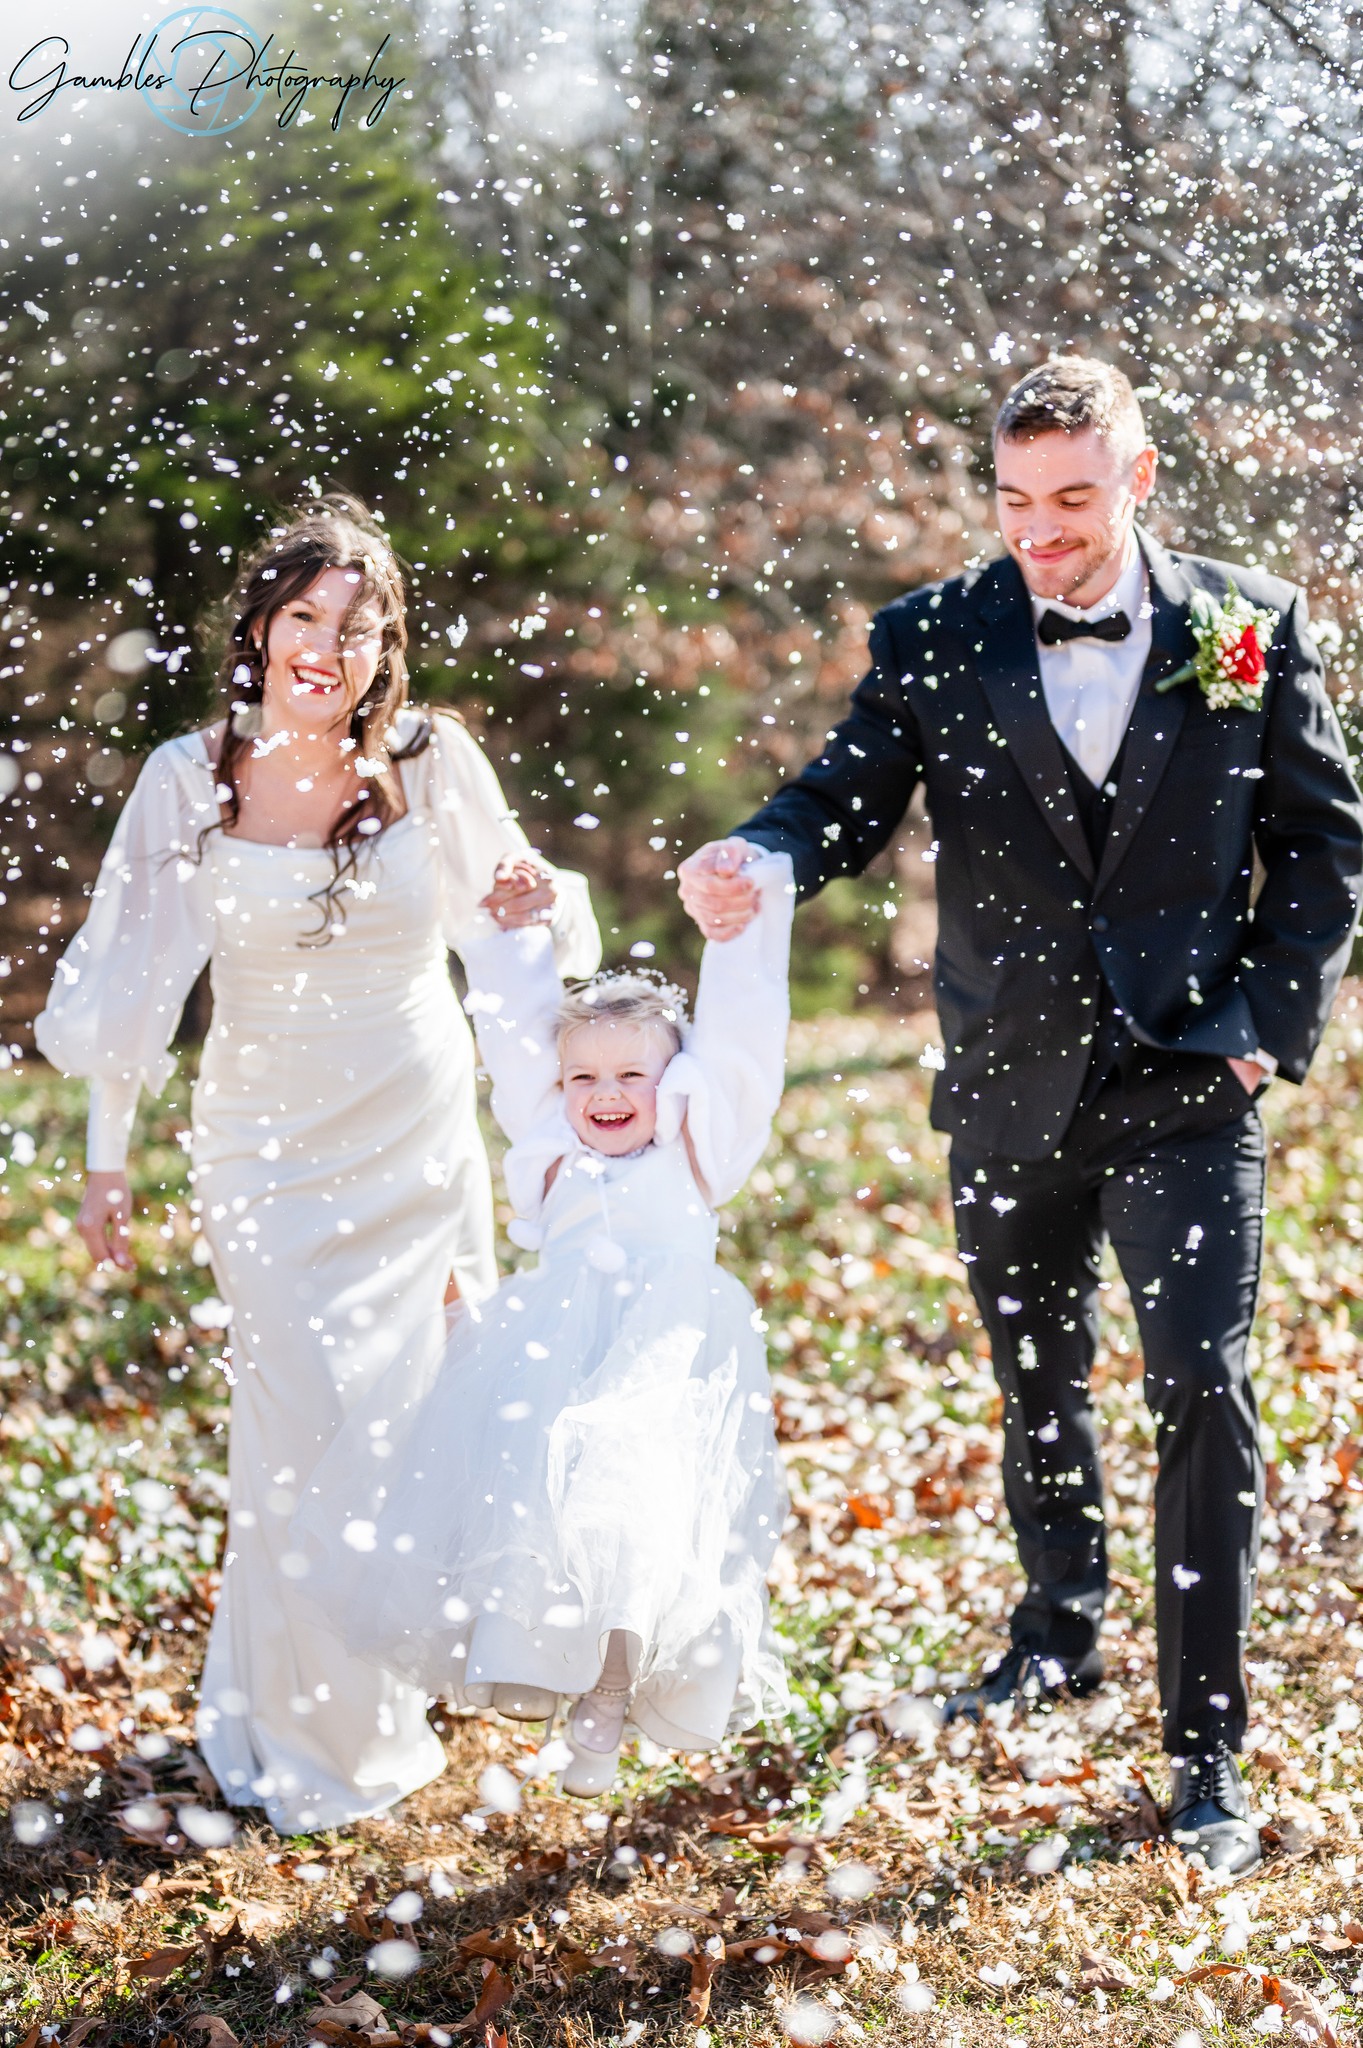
{"points": [[522, 892], [714, 889]]}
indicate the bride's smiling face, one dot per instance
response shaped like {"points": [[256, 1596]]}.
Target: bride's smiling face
{"points": [[306, 685], [1066, 503], [611, 1073]]}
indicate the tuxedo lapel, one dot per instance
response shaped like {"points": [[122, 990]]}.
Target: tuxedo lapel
{"points": [[1006, 661], [1155, 720]]}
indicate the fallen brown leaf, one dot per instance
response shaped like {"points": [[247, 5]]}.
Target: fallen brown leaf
{"points": [[1099, 1972], [621, 1956], [216, 2031], [704, 1963], [159, 1963], [802, 1921], [1309, 2019], [762, 1949], [496, 1948], [1302, 2010], [1300, 1825], [348, 2018], [496, 1994], [541, 1864], [865, 1513], [1142, 1820], [190, 1768], [677, 1909], [569, 1962], [335, 1994], [84, 2029], [218, 1945]]}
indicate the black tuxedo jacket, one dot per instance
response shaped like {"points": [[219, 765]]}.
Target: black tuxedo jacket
{"points": [[1027, 922]]}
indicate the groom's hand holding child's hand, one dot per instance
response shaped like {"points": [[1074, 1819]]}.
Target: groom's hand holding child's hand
{"points": [[714, 889]]}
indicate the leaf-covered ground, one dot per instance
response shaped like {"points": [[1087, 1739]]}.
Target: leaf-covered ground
{"points": [[857, 1875]]}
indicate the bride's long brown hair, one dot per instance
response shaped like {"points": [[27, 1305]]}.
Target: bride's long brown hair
{"points": [[332, 531]]}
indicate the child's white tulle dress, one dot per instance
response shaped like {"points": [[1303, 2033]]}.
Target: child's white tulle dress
{"points": [[595, 1450]]}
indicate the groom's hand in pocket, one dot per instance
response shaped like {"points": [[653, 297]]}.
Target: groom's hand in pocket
{"points": [[1248, 1073], [714, 889]]}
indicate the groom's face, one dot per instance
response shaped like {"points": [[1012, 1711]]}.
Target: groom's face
{"points": [[1066, 503]]}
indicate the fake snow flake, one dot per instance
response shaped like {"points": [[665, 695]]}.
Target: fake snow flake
{"points": [[808, 2022], [208, 1830], [394, 1959], [32, 1822], [210, 1314], [499, 1790]]}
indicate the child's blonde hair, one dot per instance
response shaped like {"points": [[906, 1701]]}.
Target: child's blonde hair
{"points": [[626, 997]]}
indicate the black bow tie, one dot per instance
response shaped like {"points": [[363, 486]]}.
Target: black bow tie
{"points": [[1053, 628]]}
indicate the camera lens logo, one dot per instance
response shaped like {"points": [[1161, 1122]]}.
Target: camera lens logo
{"points": [[204, 58]]}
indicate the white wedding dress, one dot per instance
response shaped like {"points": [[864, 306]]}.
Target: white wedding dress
{"points": [[596, 1449], [341, 1177]]}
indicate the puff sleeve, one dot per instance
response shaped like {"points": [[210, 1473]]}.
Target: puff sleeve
{"points": [[726, 1082], [513, 999], [122, 982], [456, 782]]}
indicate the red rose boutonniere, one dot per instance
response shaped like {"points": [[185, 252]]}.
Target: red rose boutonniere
{"points": [[1232, 642]]}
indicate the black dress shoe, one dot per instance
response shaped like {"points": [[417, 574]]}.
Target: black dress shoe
{"points": [[1030, 1677], [1209, 1812]]}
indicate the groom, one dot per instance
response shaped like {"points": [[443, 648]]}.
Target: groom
{"points": [[1114, 995]]}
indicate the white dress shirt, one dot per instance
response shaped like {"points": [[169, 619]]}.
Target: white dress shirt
{"points": [[1091, 685]]}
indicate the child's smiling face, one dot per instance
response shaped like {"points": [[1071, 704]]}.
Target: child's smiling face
{"points": [[611, 1073]]}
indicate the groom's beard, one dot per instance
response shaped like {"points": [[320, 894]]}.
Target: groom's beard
{"points": [[1093, 559]]}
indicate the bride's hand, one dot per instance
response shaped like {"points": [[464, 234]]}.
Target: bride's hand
{"points": [[104, 1217], [522, 893]]}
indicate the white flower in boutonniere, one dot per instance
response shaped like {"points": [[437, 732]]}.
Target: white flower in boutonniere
{"points": [[1232, 640]]}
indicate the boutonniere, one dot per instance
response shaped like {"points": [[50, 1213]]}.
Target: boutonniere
{"points": [[1232, 640]]}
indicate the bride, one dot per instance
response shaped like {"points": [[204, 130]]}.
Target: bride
{"points": [[316, 847]]}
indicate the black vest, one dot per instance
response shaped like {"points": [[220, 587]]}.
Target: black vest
{"points": [[1094, 805]]}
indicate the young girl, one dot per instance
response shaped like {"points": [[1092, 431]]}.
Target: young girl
{"points": [[583, 1499]]}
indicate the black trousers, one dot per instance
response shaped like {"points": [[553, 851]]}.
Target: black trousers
{"points": [[1167, 1161]]}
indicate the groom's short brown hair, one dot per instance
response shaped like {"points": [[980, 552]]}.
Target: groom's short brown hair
{"points": [[1069, 393]]}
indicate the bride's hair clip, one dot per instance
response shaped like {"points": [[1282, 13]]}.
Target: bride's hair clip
{"points": [[625, 996]]}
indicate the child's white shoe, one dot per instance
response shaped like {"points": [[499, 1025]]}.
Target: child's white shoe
{"points": [[524, 1702], [595, 1729]]}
